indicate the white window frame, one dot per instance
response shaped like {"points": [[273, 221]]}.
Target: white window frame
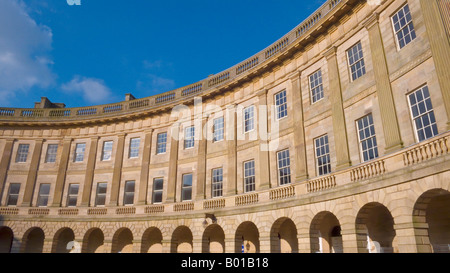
{"points": [[129, 194], [249, 176], [322, 155], [281, 104], [316, 86], [189, 137], [98, 194], [161, 143], [107, 150], [217, 182], [134, 147], [350, 65], [22, 153], [51, 154], [368, 138], [185, 188], [412, 32], [43, 195], [249, 123], [80, 150], [71, 196], [218, 129], [16, 195], [157, 191], [427, 112], [284, 167]]}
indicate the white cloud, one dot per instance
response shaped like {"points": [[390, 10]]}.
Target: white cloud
{"points": [[154, 83], [24, 51], [92, 90]]}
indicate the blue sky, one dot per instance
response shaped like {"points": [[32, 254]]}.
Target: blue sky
{"points": [[95, 53]]}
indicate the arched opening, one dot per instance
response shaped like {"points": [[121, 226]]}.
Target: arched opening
{"points": [[247, 238], [432, 220], [325, 234], [375, 229], [283, 236], [122, 241], [213, 240], [181, 240], [93, 241], [6, 239], [62, 239], [152, 241], [34, 241]]}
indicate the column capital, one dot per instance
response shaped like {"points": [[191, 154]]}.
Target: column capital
{"points": [[262, 92], [371, 21], [331, 52], [295, 76]]}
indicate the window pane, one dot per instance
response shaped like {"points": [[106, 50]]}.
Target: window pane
{"points": [[52, 150], [422, 113], [107, 150], [22, 153], [403, 27], [356, 61], [13, 195], [134, 147], [161, 143], [79, 152], [323, 163]]}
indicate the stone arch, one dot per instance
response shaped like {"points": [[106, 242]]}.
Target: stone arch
{"points": [[375, 229], [33, 240], [62, 239], [213, 239], [182, 240], [152, 241], [431, 217], [325, 233], [122, 241], [283, 236], [93, 241], [247, 238], [6, 239]]}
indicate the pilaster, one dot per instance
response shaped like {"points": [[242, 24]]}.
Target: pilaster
{"points": [[32, 173], [393, 140], [143, 181], [90, 167], [62, 169]]}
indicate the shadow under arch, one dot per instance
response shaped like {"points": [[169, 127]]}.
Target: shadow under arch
{"points": [[6, 239], [283, 236], [375, 231], [213, 240], [33, 240], [247, 238], [325, 233], [181, 240], [62, 239], [431, 218], [122, 241], [93, 241], [152, 241]]}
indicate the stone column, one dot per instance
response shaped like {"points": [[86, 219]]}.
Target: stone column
{"points": [[337, 112], [412, 238], [117, 172], [264, 243], [304, 242], [264, 166], [143, 182], [393, 139], [197, 244], [4, 163], [231, 138], [301, 165], [173, 163], [32, 173], [440, 48], [89, 176], [62, 169], [349, 238], [201, 158]]}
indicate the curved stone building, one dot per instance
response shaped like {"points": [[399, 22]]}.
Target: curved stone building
{"points": [[333, 139]]}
